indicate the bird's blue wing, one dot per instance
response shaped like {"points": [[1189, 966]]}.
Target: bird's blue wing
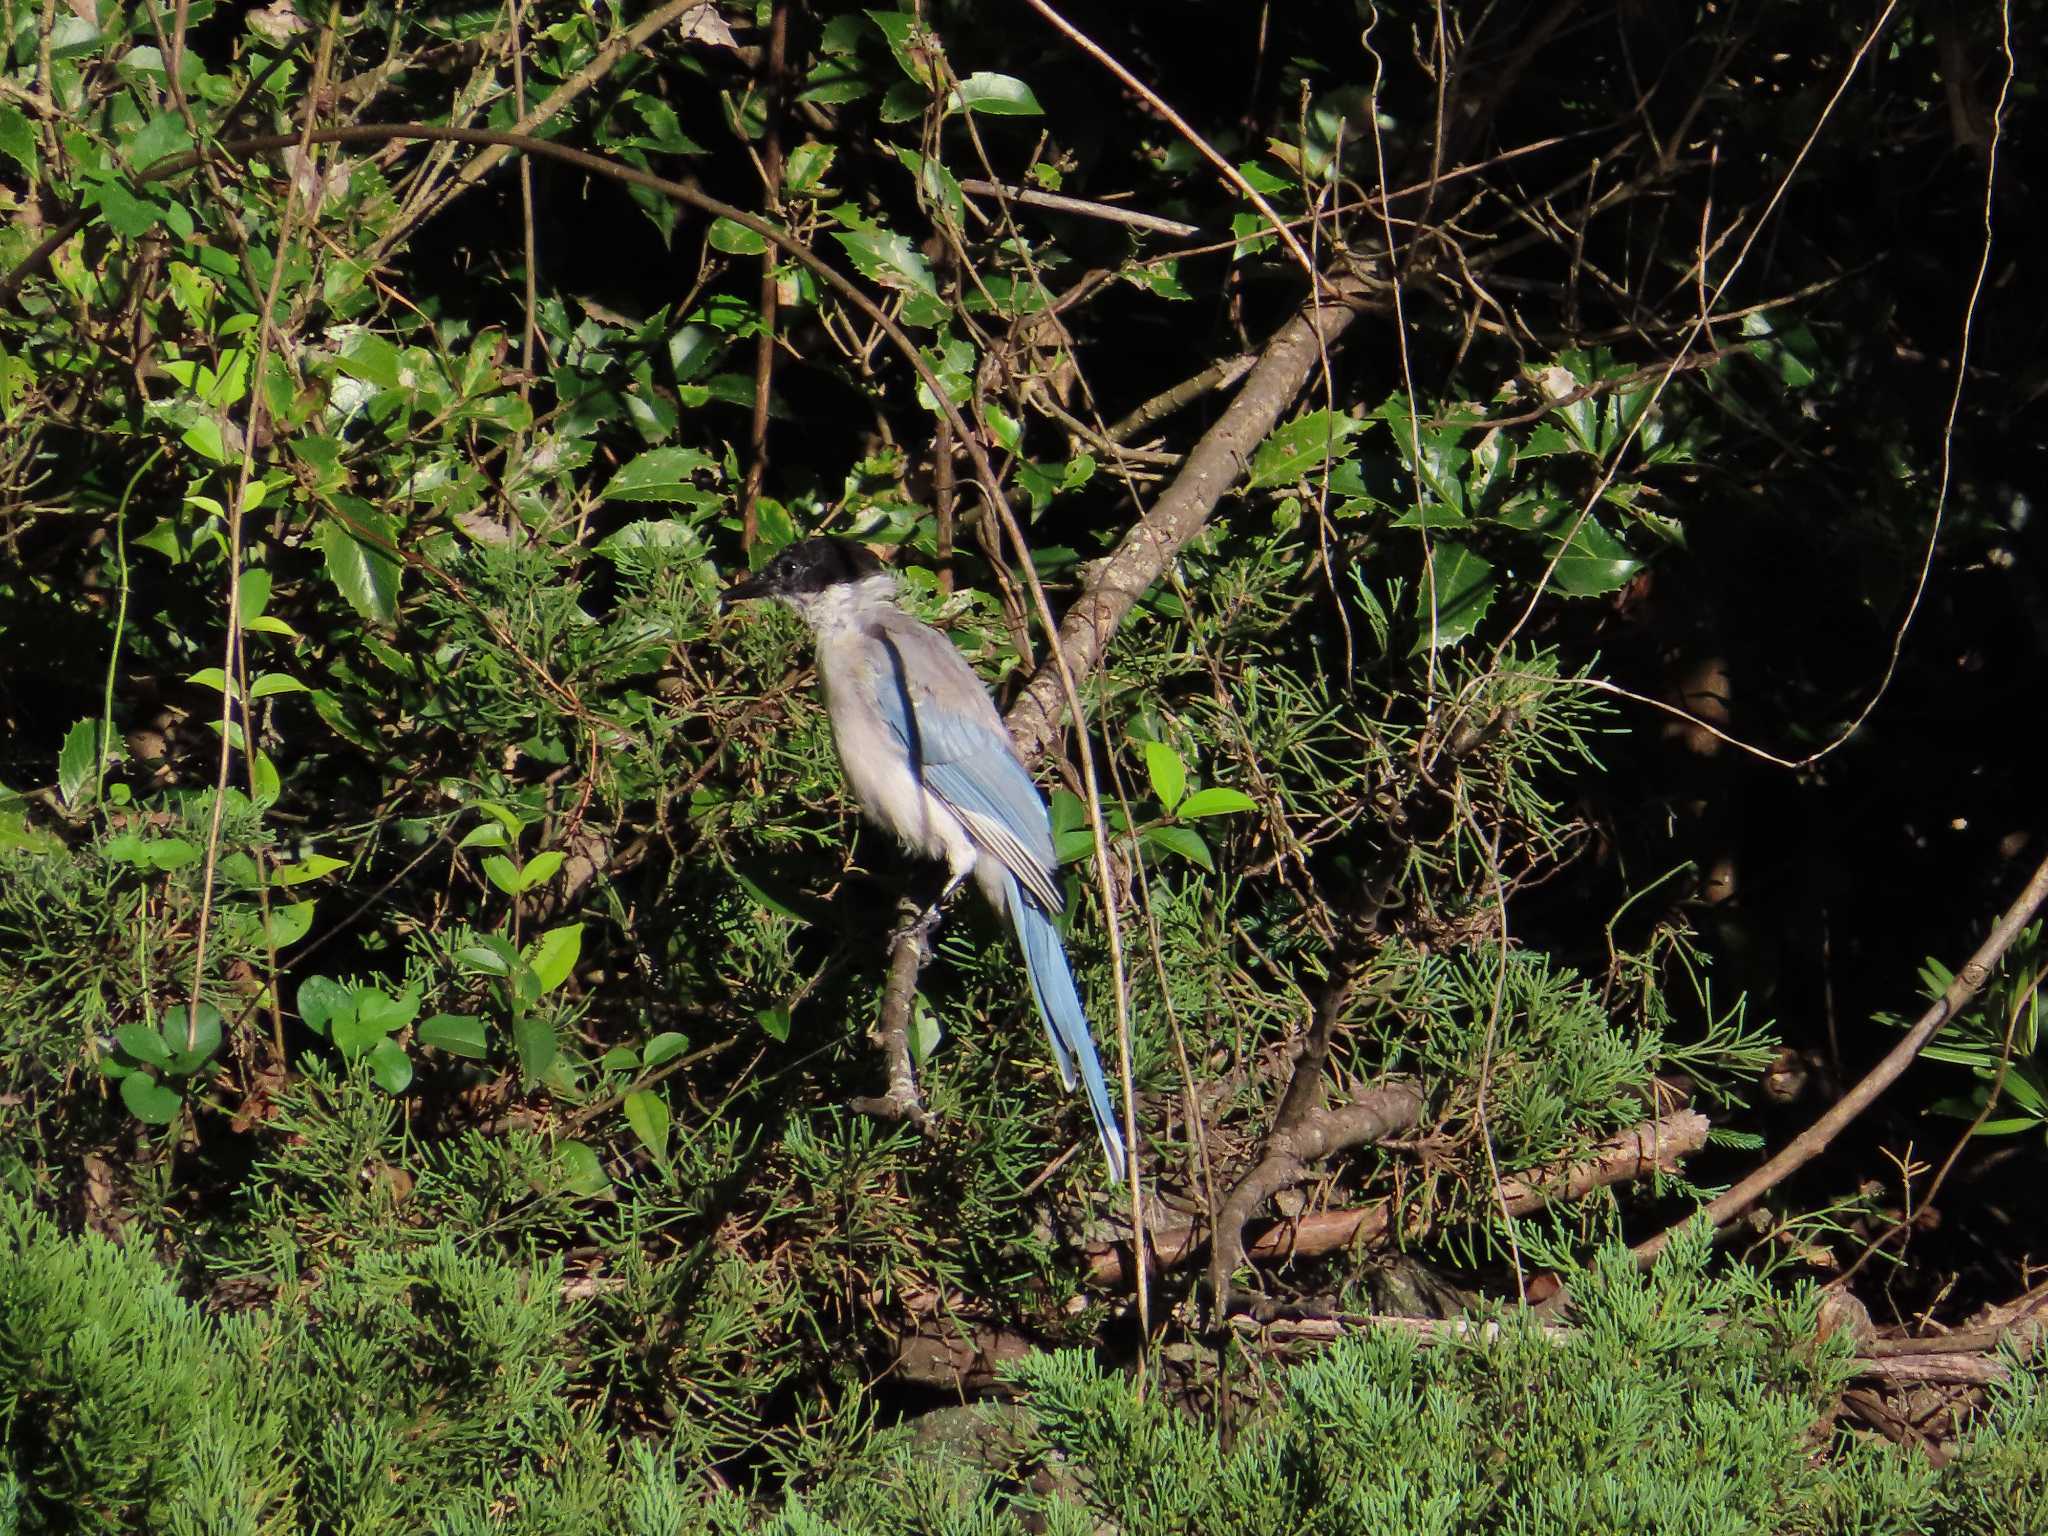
{"points": [[936, 707]]}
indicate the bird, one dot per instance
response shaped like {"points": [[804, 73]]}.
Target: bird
{"points": [[930, 762]]}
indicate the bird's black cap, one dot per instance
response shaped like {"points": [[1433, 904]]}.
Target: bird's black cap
{"points": [[806, 568]]}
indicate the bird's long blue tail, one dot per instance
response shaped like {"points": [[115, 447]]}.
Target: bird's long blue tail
{"points": [[1066, 1026]]}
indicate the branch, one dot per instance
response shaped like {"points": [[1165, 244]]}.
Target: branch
{"points": [[1213, 467], [1080, 206], [1814, 1140], [1656, 1146], [891, 1034]]}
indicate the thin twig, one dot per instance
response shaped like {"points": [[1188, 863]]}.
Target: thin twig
{"points": [[1059, 202], [1814, 1140]]}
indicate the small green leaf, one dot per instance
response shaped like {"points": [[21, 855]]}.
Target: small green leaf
{"points": [[540, 869], [209, 677], [322, 1000], [276, 682], [807, 167], [493, 956], [582, 1173], [1594, 563], [533, 1037], [385, 1013], [311, 867], [255, 584], [1215, 801], [489, 835], [364, 572], [502, 873], [1464, 587], [775, 1024], [372, 359], [18, 139], [1184, 841], [391, 1067], [620, 1058], [78, 763], [885, 257], [149, 1100], [1169, 775], [664, 1047], [459, 1034], [1299, 449], [192, 1037], [125, 213], [144, 1044], [290, 924], [997, 95], [553, 955], [735, 239], [647, 1113], [925, 1031], [661, 474]]}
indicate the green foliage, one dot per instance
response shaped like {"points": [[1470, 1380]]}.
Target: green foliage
{"points": [[441, 944], [426, 1388]]}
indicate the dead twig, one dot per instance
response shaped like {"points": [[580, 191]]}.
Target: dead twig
{"points": [[1815, 1139], [1656, 1146]]}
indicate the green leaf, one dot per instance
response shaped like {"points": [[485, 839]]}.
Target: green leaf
{"points": [[78, 763], [502, 873], [149, 1100], [911, 44], [385, 1013], [997, 95], [582, 1173], [489, 835], [774, 1023], [553, 955], [311, 867], [885, 257], [807, 167], [1184, 841], [647, 1113], [124, 212], [290, 924], [276, 682], [1302, 446], [144, 1044], [354, 1037], [322, 1000], [533, 1037], [1595, 562], [1215, 801], [18, 138], [365, 573], [391, 1067], [661, 474], [1464, 588], [1168, 774], [370, 358], [664, 1047], [192, 1037], [540, 869], [459, 1034], [735, 239], [925, 1031], [493, 956]]}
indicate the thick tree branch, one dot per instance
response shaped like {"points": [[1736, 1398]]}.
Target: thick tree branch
{"points": [[1213, 467], [1653, 1147]]}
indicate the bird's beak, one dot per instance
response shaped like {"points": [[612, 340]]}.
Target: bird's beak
{"points": [[746, 588]]}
